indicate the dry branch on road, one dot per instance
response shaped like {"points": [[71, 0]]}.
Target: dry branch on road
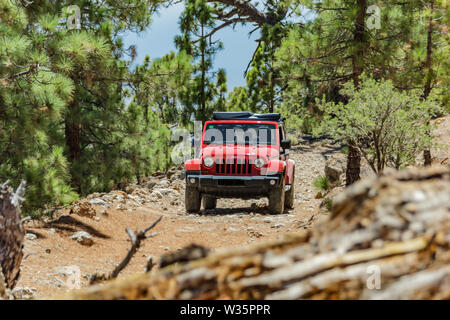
{"points": [[135, 244]]}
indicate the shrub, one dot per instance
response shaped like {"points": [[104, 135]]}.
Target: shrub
{"points": [[328, 204], [293, 138], [389, 127], [322, 183]]}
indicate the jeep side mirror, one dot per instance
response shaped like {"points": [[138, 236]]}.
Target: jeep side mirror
{"points": [[286, 144]]}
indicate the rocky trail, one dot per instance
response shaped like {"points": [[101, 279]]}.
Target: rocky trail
{"points": [[91, 238]]}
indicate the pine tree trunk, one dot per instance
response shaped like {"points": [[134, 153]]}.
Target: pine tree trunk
{"points": [[73, 140], [202, 102], [353, 165], [73, 137], [359, 41], [354, 157], [427, 87]]}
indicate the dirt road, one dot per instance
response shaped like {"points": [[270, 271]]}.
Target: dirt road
{"points": [[235, 222], [49, 250]]}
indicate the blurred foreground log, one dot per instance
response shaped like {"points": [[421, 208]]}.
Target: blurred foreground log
{"points": [[11, 235], [386, 238]]}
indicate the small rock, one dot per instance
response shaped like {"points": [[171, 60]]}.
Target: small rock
{"points": [[157, 194], [252, 233], [98, 201], [164, 183], [83, 238], [83, 208], [318, 195], [23, 293], [30, 236], [334, 168]]}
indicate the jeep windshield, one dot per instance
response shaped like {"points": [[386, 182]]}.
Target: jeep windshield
{"points": [[240, 134]]}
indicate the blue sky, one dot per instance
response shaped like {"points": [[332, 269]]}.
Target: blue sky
{"points": [[157, 40]]}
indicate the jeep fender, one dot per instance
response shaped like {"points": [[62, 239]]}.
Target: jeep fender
{"points": [[274, 167], [290, 171], [193, 165]]}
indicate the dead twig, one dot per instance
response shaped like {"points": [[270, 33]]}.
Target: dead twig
{"points": [[135, 244]]}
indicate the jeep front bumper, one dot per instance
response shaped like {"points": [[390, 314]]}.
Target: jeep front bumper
{"points": [[233, 186]]}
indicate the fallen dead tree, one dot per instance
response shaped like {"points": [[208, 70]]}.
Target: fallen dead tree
{"points": [[386, 238], [11, 236]]}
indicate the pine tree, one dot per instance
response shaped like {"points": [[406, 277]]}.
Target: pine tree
{"points": [[425, 61], [337, 45], [237, 100], [91, 57], [163, 85], [63, 115], [33, 97], [263, 78], [206, 95]]}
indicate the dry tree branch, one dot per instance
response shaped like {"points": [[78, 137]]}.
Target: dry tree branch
{"points": [[245, 8], [225, 24], [135, 244]]}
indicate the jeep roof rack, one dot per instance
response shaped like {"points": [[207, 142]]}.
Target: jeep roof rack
{"points": [[245, 115]]}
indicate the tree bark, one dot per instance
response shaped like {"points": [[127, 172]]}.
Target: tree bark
{"points": [[73, 139], [203, 67], [11, 234], [245, 8], [354, 157], [353, 165], [427, 86], [359, 41]]}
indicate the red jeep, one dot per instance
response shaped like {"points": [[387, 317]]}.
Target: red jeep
{"points": [[243, 155]]}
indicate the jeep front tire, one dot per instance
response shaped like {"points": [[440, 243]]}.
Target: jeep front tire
{"points": [[289, 196], [209, 202], [276, 199], [192, 200]]}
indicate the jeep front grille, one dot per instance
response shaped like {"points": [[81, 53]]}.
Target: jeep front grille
{"points": [[234, 166]]}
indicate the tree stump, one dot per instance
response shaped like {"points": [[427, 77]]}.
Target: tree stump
{"points": [[11, 233]]}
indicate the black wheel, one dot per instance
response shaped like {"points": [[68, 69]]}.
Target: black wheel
{"points": [[276, 199], [289, 196], [209, 202], [192, 200]]}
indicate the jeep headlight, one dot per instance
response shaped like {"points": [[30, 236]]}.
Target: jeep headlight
{"points": [[208, 162], [259, 163]]}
